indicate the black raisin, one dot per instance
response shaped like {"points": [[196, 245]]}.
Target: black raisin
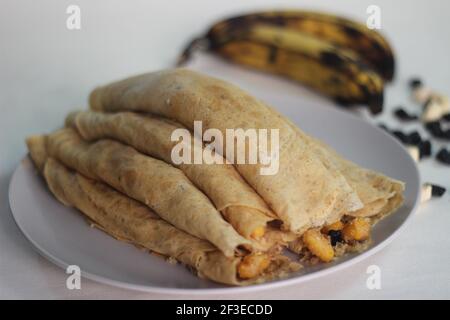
{"points": [[335, 236], [414, 138], [425, 148], [443, 156], [415, 83], [434, 127], [403, 115], [446, 117], [446, 134], [437, 191], [400, 136]]}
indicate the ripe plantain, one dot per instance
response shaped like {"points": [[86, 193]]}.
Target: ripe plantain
{"points": [[369, 44], [265, 42]]}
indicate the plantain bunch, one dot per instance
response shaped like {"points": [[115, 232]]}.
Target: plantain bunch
{"points": [[337, 57]]}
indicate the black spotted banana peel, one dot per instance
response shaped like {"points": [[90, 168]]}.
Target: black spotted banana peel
{"points": [[373, 48], [336, 72]]}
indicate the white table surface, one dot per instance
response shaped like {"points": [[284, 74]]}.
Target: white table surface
{"points": [[47, 70]]}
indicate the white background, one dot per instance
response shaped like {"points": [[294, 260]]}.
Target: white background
{"points": [[47, 70]]}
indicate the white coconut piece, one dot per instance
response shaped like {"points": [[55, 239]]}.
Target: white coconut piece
{"points": [[414, 152], [425, 193], [436, 107], [443, 101], [421, 94], [432, 111]]}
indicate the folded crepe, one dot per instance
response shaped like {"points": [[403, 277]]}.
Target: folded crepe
{"points": [[378, 194], [305, 193], [160, 186], [131, 221], [116, 167], [241, 206]]}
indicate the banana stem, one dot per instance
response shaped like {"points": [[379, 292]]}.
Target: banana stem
{"points": [[198, 44]]}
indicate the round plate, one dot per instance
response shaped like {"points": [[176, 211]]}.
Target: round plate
{"points": [[62, 235]]}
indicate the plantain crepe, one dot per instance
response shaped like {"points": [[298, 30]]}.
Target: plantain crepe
{"points": [[131, 221], [224, 220], [304, 193], [241, 206]]}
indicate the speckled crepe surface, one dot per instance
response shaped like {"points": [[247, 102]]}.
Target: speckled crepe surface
{"points": [[231, 195], [162, 187], [371, 194], [131, 221], [304, 193], [379, 194]]}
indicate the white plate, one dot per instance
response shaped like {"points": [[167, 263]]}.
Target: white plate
{"points": [[63, 236]]}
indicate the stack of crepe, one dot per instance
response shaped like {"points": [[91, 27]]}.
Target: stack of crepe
{"points": [[227, 222]]}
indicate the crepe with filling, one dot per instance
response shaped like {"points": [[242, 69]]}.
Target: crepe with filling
{"points": [[160, 186], [379, 195], [304, 193], [131, 221], [238, 202]]}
